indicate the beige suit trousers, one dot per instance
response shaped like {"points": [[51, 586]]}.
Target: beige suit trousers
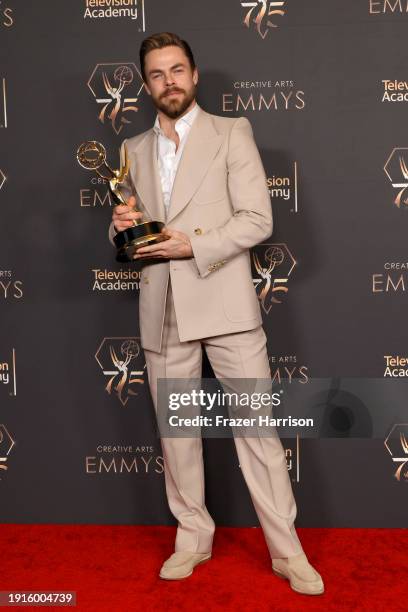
{"points": [[262, 459]]}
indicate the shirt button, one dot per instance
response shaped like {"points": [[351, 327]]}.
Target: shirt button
{"points": [[198, 231]]}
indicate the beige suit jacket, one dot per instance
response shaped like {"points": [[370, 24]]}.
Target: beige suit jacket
{"points": [[221, 201]]}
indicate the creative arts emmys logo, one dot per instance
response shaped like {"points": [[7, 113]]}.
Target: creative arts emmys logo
{"points": [[396, 444], [396, 168], [121, 360], [287, 368], [97, 194], [269, 261], [261, 13], [378, 7], [124, 459], [6, 444], [116, 88], [393, 280], [9, 288], [263, 95]]}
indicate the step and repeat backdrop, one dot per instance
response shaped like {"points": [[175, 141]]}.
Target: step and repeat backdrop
{"points": [[324, 84]]}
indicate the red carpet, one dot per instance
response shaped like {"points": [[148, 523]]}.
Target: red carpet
{"points": [[114, 568]]}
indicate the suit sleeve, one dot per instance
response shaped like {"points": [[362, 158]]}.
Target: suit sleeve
{"points": [[126, 189], [251, 221]]}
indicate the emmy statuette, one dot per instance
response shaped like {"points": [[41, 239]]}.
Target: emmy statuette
{"points": [[91, 155]]}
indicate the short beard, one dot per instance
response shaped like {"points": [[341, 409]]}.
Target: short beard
{"points": [[177, 111]]}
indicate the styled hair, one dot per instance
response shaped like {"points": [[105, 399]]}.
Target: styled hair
{"points": [[159, 41]]}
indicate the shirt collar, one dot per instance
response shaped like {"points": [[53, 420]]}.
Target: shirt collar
{"points": [[188, 119]]}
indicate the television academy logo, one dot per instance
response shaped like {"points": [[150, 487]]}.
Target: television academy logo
{"points": [[6, 15], [116, 88], [285, 187], [127, 279], [260, 13], [396, 444], [292, 457], [8, 377], [396, 169], [122, 361], [395, 91], [3, 104], [268, 261], [395, 366], [6, 444], [114, 9]]}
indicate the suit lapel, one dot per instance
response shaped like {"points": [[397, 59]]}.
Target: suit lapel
{"points": [[202, 145], [146, 177]]}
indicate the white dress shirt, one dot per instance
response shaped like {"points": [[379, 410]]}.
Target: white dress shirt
{"points": [[167, 157]]}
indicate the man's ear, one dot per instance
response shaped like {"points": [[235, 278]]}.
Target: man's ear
{"points": [[195, 76]]}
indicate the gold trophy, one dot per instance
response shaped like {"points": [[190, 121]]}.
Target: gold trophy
{"points": [[91, 155]]}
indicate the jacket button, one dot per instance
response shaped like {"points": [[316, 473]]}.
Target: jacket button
{"points": [[198, 230]]}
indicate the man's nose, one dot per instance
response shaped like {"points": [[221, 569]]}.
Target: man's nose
{"points": [[169, 79]]}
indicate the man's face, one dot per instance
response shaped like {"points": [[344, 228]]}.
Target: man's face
{"points": [[170, 80]]}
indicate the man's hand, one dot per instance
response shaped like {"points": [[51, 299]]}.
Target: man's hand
{"points": [[123, 215], [176, 246]]}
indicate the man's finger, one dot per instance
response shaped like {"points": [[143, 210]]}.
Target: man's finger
{"points": [[151, 248], [121, 209], [132, 202], [158, 255], [131, 215]]}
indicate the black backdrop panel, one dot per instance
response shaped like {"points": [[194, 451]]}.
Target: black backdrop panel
{"points": [[325, 93]]}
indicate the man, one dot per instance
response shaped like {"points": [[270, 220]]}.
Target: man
{"points": [[202, 175]]}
